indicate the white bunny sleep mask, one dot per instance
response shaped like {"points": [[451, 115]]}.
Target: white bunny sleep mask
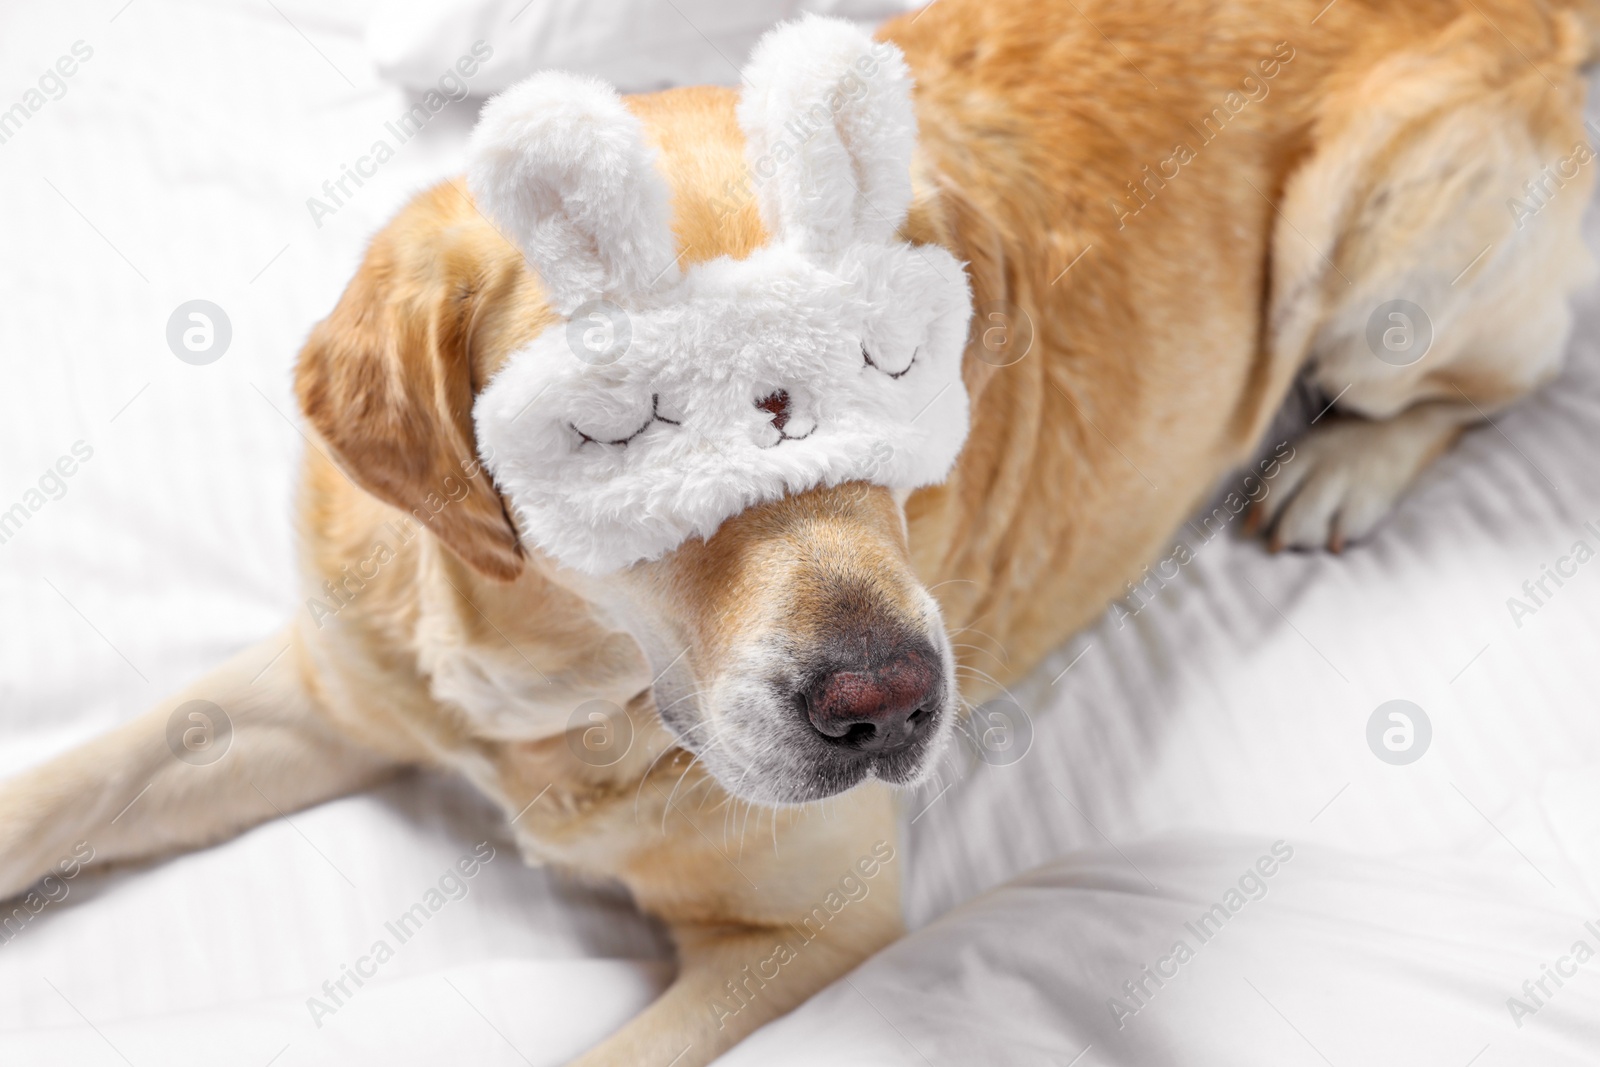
{"points": [[674, 399]]}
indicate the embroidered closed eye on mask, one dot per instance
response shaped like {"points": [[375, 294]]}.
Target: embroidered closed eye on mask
{"points": [[673, 399]]}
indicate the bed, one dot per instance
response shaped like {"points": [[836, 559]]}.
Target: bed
{"points": [[1155, 767]]}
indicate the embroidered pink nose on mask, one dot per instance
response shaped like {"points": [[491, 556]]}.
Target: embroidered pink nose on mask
{"points": [[671, 400]]}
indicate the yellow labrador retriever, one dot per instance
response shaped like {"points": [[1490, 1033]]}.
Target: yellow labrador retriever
{"points": [[1164, 214]]}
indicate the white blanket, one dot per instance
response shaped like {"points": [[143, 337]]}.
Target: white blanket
{"points": [[1169, 752]]}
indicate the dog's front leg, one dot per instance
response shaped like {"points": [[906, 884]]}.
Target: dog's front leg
{"points": [[733, 980], [243, 745], [758, 930]]}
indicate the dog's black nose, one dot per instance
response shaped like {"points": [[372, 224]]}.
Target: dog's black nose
{"points": [[879, 708]]}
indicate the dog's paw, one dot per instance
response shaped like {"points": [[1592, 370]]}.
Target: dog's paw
{"points": [[1347, 475]]}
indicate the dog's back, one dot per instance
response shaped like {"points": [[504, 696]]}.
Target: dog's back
{"points": [[1184, 205]]}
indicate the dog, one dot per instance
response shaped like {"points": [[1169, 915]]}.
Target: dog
{"points": [[1165, 214]]}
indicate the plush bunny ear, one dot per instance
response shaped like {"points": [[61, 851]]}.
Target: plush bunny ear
{"points": [[829, 129], [563, 169]]}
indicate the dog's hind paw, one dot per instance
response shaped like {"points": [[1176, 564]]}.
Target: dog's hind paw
{"points": [[1347, 474]]}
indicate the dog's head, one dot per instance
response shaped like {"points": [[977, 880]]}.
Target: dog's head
{"points": [[716, 454]]}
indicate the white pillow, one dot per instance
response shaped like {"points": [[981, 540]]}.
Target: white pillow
{"points": [[1290, 954], [636, 45]]}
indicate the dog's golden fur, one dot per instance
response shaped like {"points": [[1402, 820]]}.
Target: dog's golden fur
{"points": [[1172, 301]]}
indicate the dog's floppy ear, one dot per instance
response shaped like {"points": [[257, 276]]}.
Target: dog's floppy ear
{"points": [[830, 130], [563, 169], [387, 379]]}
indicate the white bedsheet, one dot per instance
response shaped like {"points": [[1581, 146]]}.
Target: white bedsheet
{"points": [[1228, 715]]}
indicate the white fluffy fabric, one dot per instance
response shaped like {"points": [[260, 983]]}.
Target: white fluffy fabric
{"points": [[672, 400], [561, 166]]}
